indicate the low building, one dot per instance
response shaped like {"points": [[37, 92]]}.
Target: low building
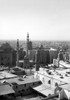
{"points": [[55, 62], [18, 86]]}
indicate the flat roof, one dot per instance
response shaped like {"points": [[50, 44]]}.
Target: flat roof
{"points": [[5, 74], [19, 68], [30, 97], [56, 75], [43, 89], [19, 80], [52, 49], [64, 64], [66, 86], [6, 89]]}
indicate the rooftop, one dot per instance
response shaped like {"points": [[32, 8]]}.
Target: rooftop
{"points": [[64, 64], [59, 74], [5, 75], [44, 89], [21, 80], [66, 86], [52, 49], [6, 89], [31, 97]]}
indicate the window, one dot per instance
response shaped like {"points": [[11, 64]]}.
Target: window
{"points": [[40, 82], [19, 92], [33, 83], [49, 82], [56, 84], [2, 64], [27, 89], [8, 58], [24, 85], [16, 86], [1, 58], [23, 90]]}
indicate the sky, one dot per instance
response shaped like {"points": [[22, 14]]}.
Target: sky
{"points": [[43, 19]]}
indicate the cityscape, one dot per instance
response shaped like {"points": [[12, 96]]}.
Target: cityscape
{"points": [[31, 73], [34, 49]]}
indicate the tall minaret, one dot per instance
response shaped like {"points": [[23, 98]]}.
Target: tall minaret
{"points": [[27, 42], [37, 60], [17, 62]]}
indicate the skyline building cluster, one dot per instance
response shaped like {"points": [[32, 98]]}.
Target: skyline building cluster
{"points": [[38, 56]]}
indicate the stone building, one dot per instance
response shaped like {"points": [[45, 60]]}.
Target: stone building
{"points": [[22, 53], [43, 56], [31, 54], [7, 55], [27, 62]]}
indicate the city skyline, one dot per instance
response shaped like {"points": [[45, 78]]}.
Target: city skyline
{"points": [[43, 19]]}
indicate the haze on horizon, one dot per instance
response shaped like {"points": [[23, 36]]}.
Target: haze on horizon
{"points": [[43, 19]]}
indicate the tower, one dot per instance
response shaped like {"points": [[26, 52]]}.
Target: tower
{"points": [[17, 62], [59, 56], [26, 58], [27, 42], [37, 60]]}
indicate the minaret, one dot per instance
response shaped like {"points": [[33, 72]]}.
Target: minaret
{"points": [[36, 61], [59, 57], [17, 62], [27, 42]]}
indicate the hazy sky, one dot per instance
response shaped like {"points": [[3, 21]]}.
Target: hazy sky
{"points": [[43, 19]]}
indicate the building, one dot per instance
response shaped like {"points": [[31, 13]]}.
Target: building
{"points": [[18, 71], [50, 78], [22, 53], [66, 57], [56, 62], [61, 55], [53, 54], [12, 85], [40, 55], [43, 56], [26, 62], [29, 43], [31, 54], [7, 55]]}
